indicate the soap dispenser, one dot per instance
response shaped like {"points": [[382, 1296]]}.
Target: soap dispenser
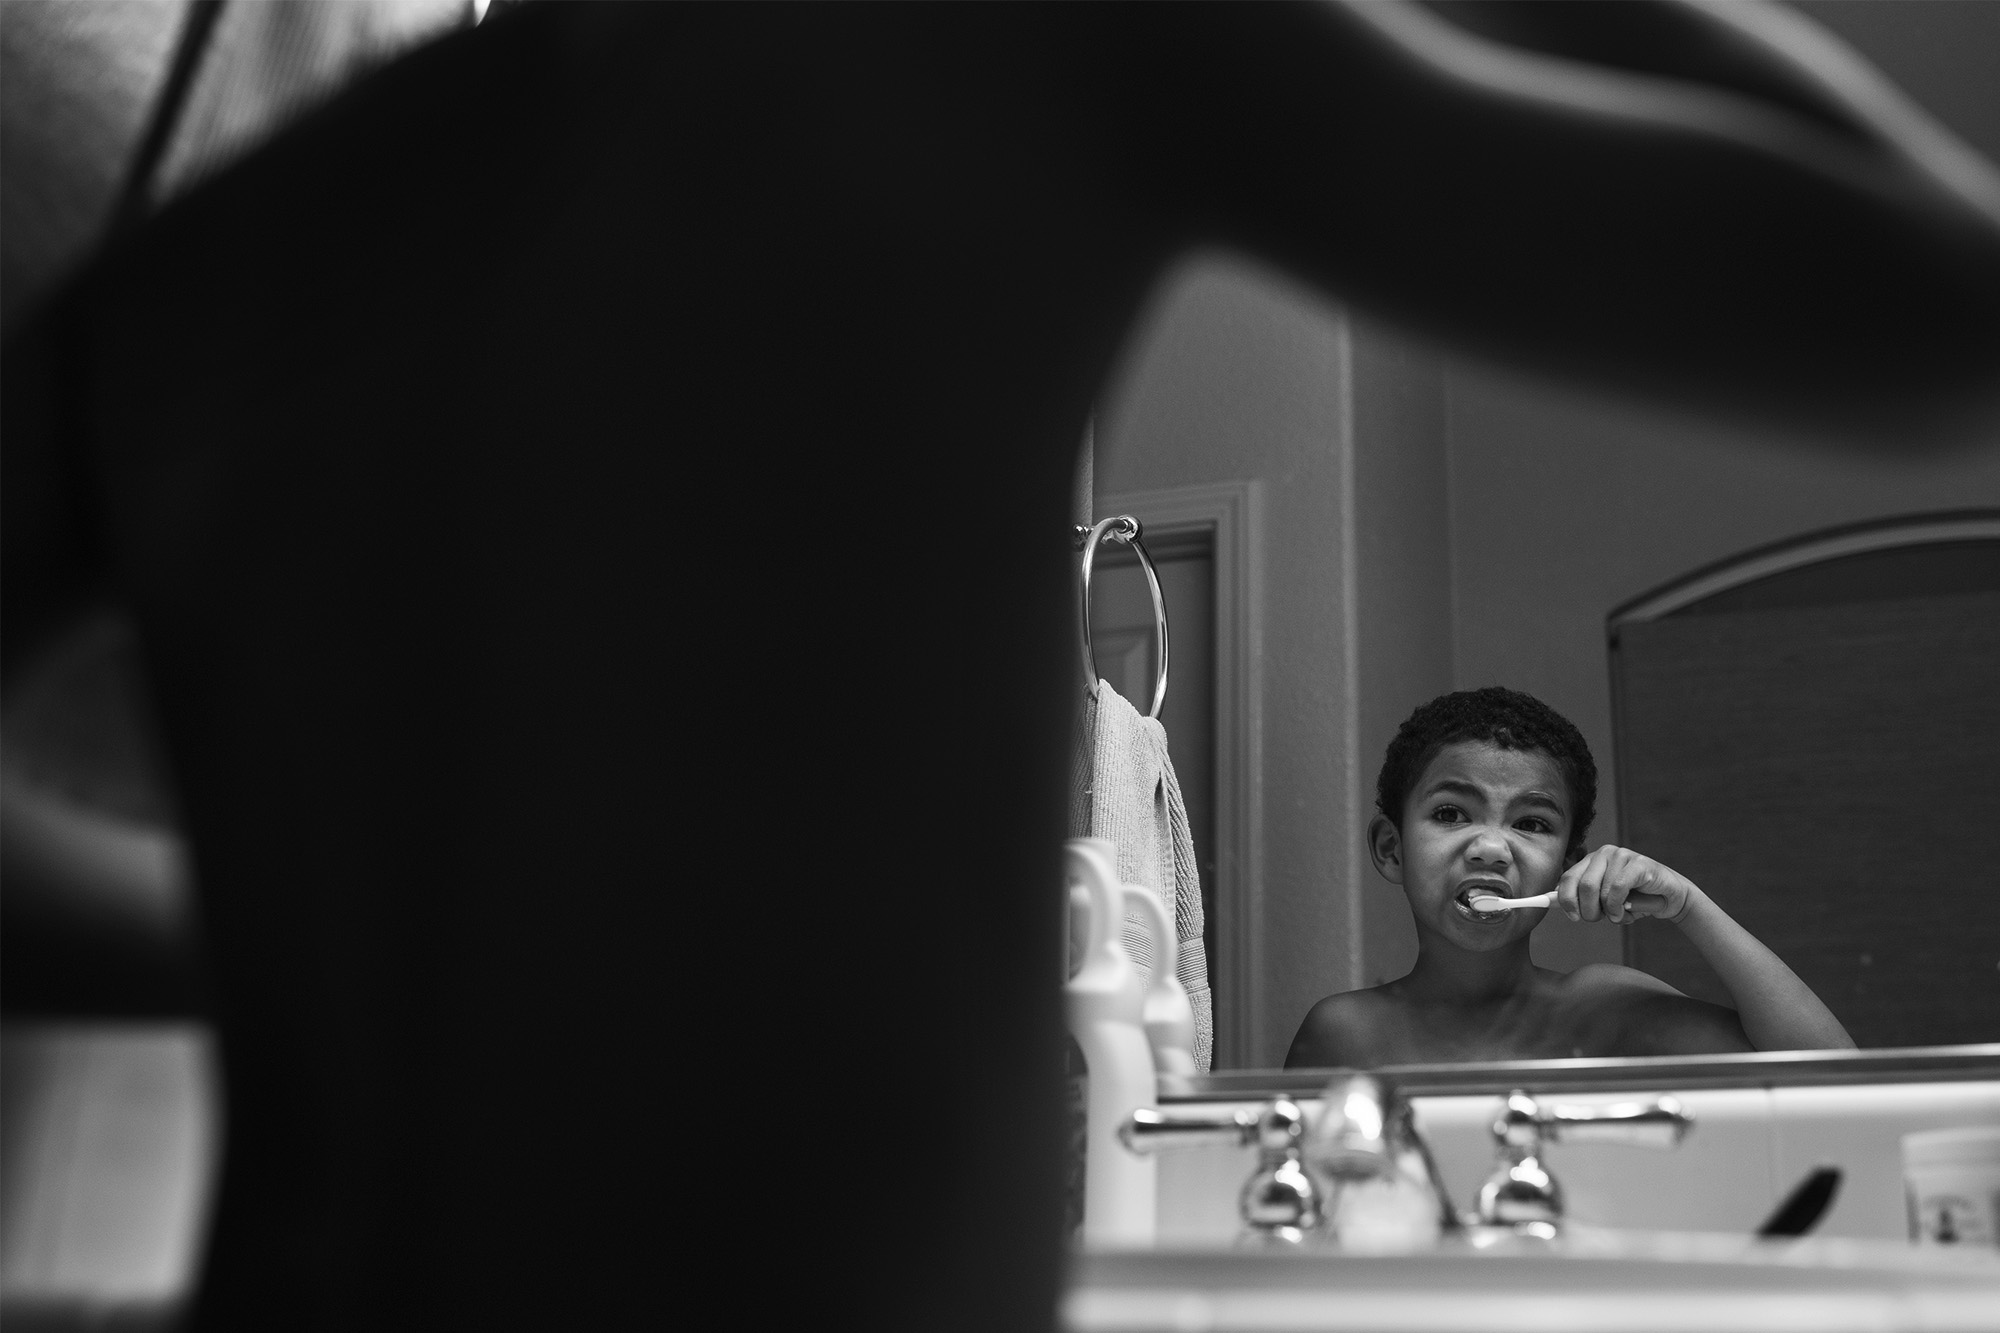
{"points": [[1169, 1017], [1105, 1004]]}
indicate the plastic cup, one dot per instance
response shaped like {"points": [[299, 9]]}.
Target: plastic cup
{"points": [[1951, 1178]]}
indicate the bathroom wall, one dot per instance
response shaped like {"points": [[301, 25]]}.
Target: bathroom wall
{"points": [[1565, 505], [1403, 596], [1232, 376]]}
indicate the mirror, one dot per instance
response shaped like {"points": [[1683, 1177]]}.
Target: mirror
{"points": [[1777, 655], [1372, 524]]}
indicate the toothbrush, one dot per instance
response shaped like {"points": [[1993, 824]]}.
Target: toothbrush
{"points": [[1493, 902]]}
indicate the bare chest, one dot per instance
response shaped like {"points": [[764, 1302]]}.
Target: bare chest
{"points": [[1539, 1027]]}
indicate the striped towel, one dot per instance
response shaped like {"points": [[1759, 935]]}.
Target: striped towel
{"points": [[1122, 787]]}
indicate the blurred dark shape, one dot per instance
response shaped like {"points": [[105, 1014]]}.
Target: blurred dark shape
{"points": [[1804, 1206], [109, 107], [512, 470], [96, 917], [77, 88]]}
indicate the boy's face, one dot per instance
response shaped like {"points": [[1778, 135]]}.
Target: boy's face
{"points": [[1479, 818]]}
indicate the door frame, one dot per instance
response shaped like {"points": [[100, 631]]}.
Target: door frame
{"points": [[1797, 553], [1230, 512]]}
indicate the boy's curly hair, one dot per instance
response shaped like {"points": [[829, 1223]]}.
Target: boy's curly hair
{"points": [[1506, 718]]}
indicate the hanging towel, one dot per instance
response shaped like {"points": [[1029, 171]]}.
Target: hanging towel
{"points": [[1122, 787]]}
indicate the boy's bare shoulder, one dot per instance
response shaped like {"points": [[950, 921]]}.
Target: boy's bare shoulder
{"points": [[1601, 979], [1346, 1030], [1643, 1015]]}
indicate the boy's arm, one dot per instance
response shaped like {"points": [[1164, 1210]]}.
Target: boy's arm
{"points": [[1778, 1011]]}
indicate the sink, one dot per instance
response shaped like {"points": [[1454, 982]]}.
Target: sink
{"points": [[1600, 1280], [1749, 1148], [1654, 1242]]}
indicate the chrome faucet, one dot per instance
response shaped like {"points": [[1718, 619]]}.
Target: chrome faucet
{"points": [[1280, 1200], [1366, 1132], [1521, 1193]]}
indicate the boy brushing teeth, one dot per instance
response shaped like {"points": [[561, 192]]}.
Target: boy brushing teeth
{"points": [[1489, 793]]}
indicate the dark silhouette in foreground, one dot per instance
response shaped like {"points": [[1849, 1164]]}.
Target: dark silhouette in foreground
{"points": [[542, 480]]}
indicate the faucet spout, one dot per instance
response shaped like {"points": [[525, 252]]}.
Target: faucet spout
{"points": [[1367, 1131]]}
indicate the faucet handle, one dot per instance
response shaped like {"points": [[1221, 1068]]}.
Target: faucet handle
{"points": [[1660, 1123], [1521, 1193], [1149, 1131], [1280, 1200], [1524, 1124]]}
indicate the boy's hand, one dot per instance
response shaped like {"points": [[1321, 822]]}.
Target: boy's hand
{"points": [[1622, 886]]}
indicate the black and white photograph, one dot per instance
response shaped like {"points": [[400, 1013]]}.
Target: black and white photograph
{"points": [[1064, 666]]}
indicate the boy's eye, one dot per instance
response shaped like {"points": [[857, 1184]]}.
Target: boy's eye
{"points": [[1448, 814], [1534, 824]]}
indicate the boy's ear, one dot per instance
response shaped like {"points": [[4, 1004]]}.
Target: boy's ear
{"points": [[1385, 848]]}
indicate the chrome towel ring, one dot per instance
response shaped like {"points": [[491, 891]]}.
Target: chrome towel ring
{"points": [[1123, 528]]}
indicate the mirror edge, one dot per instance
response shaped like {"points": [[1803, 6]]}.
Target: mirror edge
{"points": [[1910, 1064]]}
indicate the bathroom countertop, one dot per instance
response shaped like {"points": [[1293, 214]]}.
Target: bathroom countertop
{"points": [[1602, 1281]]}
